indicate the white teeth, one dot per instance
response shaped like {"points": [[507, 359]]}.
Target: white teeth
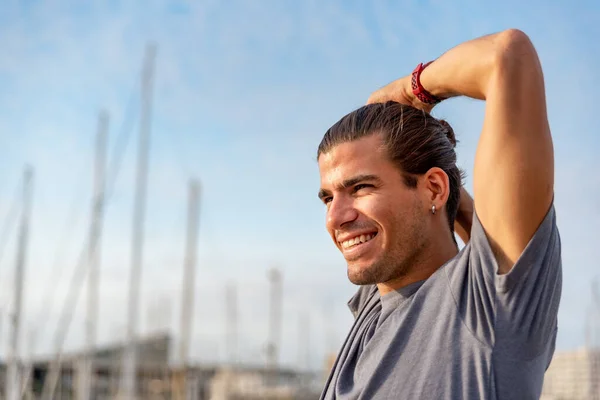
{"points": [[356, 240]]}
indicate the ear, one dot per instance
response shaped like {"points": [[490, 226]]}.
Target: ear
{"points": [[435, 187]]}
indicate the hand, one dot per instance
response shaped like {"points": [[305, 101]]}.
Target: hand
{"points": [[399, 91]]}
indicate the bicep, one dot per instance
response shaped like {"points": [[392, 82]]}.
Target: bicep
{"points": [[514, 168]]}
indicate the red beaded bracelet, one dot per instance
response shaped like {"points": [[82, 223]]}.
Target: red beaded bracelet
{"points": [[418, 89]]}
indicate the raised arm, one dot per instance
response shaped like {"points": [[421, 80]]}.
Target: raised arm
{"points": [[514, 164], [464, 216]]}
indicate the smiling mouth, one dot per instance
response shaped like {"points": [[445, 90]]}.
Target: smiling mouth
{"points": [[350, 243]]}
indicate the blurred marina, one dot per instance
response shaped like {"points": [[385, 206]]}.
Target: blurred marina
{"points": [[143, 367]]}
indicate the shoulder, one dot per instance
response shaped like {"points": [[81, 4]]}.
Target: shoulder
{"points": [[542, 247]]}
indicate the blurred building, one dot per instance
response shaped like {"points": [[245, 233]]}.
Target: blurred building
{"points": [[157, 379], [250, 384], [573, 375], [153, 360]]}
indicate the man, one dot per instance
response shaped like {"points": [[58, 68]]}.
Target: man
{"points": [[432, 322]]}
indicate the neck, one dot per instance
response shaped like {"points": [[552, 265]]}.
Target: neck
{"points": [[429, 260]]}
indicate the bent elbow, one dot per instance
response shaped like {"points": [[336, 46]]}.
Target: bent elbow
{"points": [[514, 47], [514, 37], [515, 56]]}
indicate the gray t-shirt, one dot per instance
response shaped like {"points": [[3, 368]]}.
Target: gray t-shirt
{"points": [[464, 333]]}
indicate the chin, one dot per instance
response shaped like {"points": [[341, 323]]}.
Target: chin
{"points": [[362, 275]]}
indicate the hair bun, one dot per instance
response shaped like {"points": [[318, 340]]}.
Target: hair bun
{"points": [[448, 131]]}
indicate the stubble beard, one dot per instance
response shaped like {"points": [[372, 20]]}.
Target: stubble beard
{"points": [[386, 269], [396, 262], [380, 271]]}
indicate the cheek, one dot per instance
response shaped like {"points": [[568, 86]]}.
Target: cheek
{"points": [[395, 218], [380, 210]]}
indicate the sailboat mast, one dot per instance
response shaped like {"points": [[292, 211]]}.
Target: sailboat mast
{"points": [[188, 286], [13, 376], [97, 212], [189, 274], [130, 356]]}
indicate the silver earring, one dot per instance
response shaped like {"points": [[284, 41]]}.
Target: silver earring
{"points": [[433, 209]]}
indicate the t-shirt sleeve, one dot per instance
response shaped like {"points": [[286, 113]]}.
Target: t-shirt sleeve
{"points": [[516, 311]]}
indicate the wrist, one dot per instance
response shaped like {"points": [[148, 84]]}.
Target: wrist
{"points": [[423, 95], [431, 82], [409, 95]]}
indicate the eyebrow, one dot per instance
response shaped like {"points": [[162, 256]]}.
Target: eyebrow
{"points": [[349, 183]]}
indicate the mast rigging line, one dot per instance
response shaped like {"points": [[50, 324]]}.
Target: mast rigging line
{"points": [[119, 151], [57, 269], [9, 220], [81, 268]]}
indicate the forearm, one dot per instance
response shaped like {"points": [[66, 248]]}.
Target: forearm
{"points": [[469, 68]]}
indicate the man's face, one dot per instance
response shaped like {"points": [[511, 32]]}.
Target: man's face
{"points": [[374, 219]]}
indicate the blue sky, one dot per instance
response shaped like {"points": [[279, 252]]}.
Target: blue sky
{"points": [[243, 93]]}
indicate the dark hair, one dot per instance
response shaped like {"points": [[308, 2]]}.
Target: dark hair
{"points": [[416, 142]]}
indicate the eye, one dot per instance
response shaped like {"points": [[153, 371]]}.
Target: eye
{"points": [[361, 186], [327, 200]]}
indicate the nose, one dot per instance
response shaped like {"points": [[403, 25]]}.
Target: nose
{"points": [[340, 212]]}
